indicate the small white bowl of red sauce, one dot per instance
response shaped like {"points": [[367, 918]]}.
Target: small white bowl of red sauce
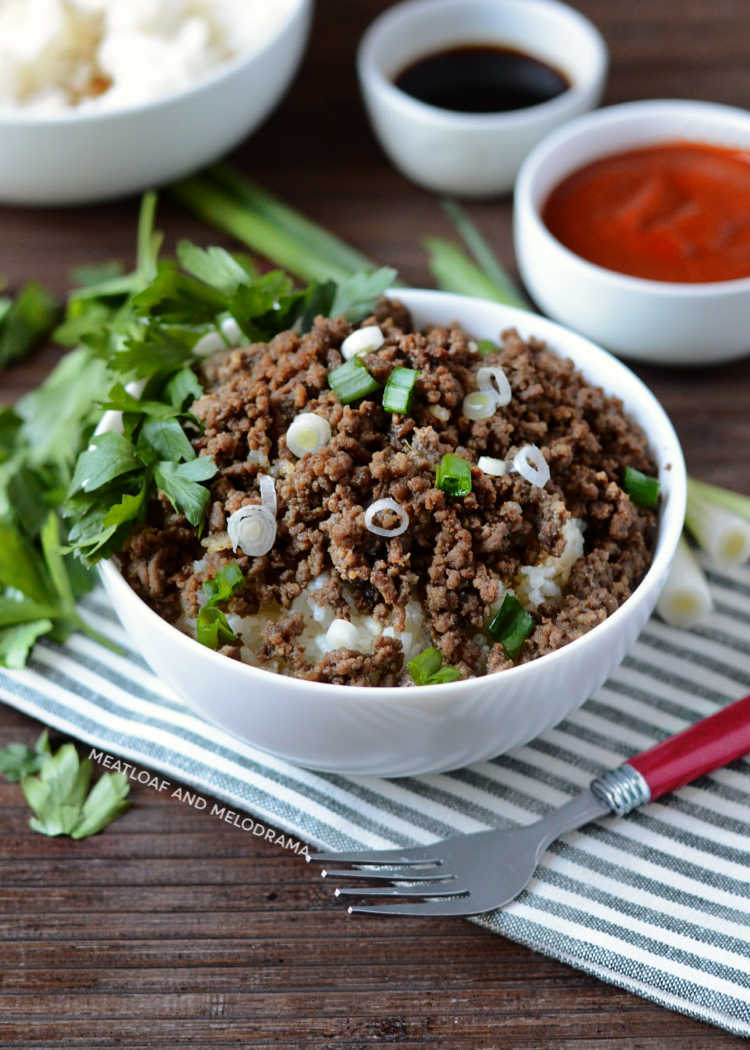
{"points": [[632, 226], [459, 91]]}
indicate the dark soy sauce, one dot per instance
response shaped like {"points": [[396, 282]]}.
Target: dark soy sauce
{"points": [[477, 78]]}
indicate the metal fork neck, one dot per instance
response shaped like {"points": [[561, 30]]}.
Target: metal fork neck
{"points": [[622, 789]]}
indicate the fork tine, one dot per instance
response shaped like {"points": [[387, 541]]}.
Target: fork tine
{"points": [[418, 909], [424, 890], [413, 855], [394, 875]]}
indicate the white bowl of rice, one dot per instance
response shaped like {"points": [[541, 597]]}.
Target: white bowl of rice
{"points": [[399, 731], [100, 98]]}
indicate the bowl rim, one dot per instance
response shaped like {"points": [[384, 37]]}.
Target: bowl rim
{"points": [[371, 73], [567, 136], [666, 544], [20, 118]]}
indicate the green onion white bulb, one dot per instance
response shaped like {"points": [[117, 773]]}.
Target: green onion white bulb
{"points": [[378, 507], [362, 341], [493, 382], [530, 463], [723, 535], [496, 468], [686, 599], [478, 405], [252, 529], [307, 433]]}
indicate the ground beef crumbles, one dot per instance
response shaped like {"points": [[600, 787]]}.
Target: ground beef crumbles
{"points": [[571, 550]]}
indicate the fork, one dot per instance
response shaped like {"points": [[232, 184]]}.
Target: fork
{"points": [[470, 874]]}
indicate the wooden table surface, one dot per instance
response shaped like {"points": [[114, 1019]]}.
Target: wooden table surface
{"points": [[171, 929]]}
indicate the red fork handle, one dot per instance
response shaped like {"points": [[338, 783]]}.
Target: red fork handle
{"points": [[709, 744]]}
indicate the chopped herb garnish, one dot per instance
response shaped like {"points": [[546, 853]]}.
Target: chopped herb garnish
{"points": [[642, 489], [226, 583], [486, 346], [399, 390], [511, 626], [453, 475], [426, 669], [212, 628], [445, 674], [351, 381], [423, 666]]}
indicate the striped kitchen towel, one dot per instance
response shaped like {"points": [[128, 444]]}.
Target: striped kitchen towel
{"points": [[658, 903]]}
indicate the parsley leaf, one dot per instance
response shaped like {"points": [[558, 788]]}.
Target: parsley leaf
{"points": [[57, 794], [16, 642], [21, 566], [179, 483], [91, 274], [356, 296], [215, 266], [109, 455], [183, 388], [60, 799], [167, 439], [18, 760], [58, 413], [25, 321], [106, 801]]}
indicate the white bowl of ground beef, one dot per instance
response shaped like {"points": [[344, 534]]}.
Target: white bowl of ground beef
{"points": [[397, 730]]}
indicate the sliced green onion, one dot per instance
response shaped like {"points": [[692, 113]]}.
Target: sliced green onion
{"points": [[212, 628], [399, 389], [445, 674], [308, 432], [478, 405], [511, 626], [486, 346], [351, 381], [227, 581], [453, 475], [425, 665], [724, 536], [642, 489]]}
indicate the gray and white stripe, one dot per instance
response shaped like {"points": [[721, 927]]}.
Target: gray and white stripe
{"points": [[658, 903]]}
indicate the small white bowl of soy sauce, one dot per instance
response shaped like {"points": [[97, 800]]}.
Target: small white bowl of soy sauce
{"points": [[459, 91]]}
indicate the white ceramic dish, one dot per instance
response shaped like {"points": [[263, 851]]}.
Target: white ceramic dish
{"points": [[656, 321], [474, 155], [399, 731], [86, 157]]}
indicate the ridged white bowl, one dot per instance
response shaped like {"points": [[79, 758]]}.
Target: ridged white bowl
{"points": [[400, 731], [76, 157]]}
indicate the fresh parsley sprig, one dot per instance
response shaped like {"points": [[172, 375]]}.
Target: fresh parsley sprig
{"points": [[69, 497], [18, 760], [56, 786], [25, 320]]}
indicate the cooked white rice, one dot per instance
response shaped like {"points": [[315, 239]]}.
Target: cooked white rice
{"points": [[324, 632], [106, 54]]}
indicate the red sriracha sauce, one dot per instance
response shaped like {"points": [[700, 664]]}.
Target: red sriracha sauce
{"points": [[678, 211]]}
